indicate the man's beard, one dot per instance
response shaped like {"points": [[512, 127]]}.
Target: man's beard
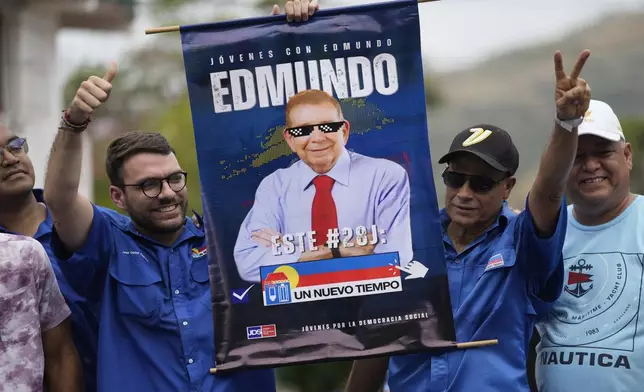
{"points": [[151, 226]]}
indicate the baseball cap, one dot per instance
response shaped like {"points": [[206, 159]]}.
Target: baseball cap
{"points": [[600, 120], [488, 142]]}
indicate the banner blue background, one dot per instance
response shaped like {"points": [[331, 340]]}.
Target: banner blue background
{"points": [[236, 150]]}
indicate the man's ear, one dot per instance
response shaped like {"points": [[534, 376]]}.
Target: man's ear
{"points": [[508, 184], [628, 154], [346, 130], [118, 196]]}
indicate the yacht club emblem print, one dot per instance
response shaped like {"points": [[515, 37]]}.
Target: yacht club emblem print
{"points": [[601, 297], [579, 281]]}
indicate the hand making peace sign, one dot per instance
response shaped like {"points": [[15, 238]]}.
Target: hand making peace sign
{"points": [[572, 94]]}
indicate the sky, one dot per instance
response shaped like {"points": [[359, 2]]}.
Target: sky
{"points": [[456, 34]]}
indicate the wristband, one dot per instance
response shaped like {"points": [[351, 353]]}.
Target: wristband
{"points": [[336, 253], [568, 125], [68, 126]]}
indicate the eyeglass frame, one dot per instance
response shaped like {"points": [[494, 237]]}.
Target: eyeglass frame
{"points": [[24, 148], [141, 184]]}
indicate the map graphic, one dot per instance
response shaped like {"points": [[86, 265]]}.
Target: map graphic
{"points": [[363, 116]]}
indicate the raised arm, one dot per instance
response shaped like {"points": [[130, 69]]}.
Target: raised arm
{"points": [[572, 97], [72, 213]]}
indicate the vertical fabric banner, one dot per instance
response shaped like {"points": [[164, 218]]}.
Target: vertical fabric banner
{"points": [[321, 216]]}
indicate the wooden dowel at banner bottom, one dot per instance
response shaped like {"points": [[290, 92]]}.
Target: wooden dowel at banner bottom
{"points": [[480, 343], [171, 29]]}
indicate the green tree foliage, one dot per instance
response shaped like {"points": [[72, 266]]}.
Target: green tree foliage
{"points": [[634, 131], [149, 94]]}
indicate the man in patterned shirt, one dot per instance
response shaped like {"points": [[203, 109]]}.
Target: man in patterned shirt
{"points": [[36, 348], [23, 212]]}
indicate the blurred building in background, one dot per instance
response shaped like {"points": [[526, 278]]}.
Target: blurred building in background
{"points": [[30, 92]]}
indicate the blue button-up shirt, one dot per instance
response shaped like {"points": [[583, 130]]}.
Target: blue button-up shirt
{"points": [[157, 329], [74, 285], [367, 191], [499, 285]]}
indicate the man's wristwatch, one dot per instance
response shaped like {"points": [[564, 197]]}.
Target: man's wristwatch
{"points": [[568, 125]]}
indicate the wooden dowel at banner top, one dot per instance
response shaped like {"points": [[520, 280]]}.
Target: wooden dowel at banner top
{"points": [[480, 343], [171, 29], [213, 370], [157, 30]]}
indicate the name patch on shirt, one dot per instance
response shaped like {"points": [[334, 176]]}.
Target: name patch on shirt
{"points": [[198, 253], [496, 261]]}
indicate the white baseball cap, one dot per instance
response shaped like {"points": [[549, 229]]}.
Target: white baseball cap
{"points": [[600, 120]]}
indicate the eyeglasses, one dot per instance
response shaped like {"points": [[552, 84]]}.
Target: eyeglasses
{"points": [[478, 184], [152, 187], [17, 147], [306, 130]]}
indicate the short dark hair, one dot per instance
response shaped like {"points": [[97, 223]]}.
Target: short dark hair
{"points": [[130, 144]]}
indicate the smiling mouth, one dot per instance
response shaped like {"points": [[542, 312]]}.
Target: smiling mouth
{"points": [[593, 180], [320, 149], [167, 208]]}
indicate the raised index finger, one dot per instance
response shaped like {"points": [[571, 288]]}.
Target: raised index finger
{"points": [[559, 69], [579, 65]]}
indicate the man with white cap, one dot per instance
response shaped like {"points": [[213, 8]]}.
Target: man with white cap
{"points": [[591, 340]]}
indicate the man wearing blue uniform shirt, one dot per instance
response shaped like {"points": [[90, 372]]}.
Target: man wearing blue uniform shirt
{"points": [[328, 188], [591, 340], [504, 270], [156, 331], [22, 211]]}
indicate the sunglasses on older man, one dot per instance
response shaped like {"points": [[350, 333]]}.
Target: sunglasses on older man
{"points": [[17, 147], [306, 130], [478, 184]]}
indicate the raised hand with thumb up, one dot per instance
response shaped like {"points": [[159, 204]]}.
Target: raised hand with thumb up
{"points": [[90, 95]]}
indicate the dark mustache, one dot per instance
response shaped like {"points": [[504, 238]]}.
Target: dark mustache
{"points": [[165, 201]]}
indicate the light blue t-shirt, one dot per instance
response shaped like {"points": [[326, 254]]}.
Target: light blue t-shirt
{"points": [[591, 340]]}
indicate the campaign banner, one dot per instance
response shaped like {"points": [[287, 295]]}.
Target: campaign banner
{"points": [[322, 224]]}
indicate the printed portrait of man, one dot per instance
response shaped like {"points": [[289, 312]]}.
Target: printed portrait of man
{"points": [[328, 188]]}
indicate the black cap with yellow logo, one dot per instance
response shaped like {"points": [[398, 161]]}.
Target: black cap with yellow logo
{"points": [[488, 142]]}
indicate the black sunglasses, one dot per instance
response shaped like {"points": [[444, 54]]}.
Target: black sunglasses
{"points": [[478, 184], [306, 130], [17, 147], [152, 187]]}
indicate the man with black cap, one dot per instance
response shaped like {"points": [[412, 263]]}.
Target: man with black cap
{"points": [[504, 270]]}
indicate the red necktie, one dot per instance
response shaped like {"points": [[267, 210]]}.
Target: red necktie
{"points": [[324, 216]]}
